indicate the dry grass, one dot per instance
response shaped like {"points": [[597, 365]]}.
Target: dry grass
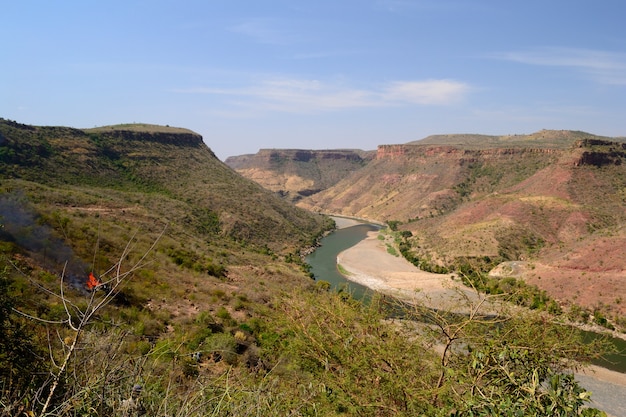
{"points": [[139, 127]]}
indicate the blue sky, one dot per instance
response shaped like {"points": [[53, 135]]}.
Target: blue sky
{"points": [[321, 74]]}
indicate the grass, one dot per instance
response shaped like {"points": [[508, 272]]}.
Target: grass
{"points": [[343, 271], [391, 250], [188, 179], [139, 127]]}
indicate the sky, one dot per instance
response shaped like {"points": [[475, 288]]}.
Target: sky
{"points": [[316, 74]]}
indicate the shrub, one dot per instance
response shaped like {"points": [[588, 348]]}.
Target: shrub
{"points": [[222, 346]]}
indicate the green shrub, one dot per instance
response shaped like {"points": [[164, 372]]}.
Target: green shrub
{"points": [[221, 346], [22, 360], [223, 314]]}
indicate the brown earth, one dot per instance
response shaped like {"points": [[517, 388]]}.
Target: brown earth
{"points": [[297, 173]]}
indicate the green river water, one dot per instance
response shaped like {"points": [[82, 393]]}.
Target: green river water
{"points": [[323, 262]]}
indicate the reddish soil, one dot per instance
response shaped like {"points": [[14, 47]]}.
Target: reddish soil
{"points": [[590, 275]]}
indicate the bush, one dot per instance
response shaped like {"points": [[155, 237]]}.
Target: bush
{"points": [[21, 359], [521, 365], [221, 346]]}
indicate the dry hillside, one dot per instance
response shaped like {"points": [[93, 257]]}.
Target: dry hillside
{"points": [[552, 199], [559, 207]]}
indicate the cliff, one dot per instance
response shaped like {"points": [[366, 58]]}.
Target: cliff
{"points": [[298, 173], [560, 207], [408, 151]]}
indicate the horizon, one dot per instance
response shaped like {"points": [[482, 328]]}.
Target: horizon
{"points": [[181, 128], [328, 75]]}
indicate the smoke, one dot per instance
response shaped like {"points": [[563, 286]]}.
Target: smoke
{"points": [[20, 224]]}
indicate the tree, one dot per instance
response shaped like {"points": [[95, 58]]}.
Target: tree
{"points": [[77, 317], [498, 361]]}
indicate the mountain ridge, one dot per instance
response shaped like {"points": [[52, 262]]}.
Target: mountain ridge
{"points": [[559, 139]]}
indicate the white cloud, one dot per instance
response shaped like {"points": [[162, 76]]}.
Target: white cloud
{"points": [[311, 96], [603, 66], [426, 92]]}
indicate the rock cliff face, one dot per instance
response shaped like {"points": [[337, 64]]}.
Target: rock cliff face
{"points": [[408, 152], [272, 157], [601, 152], [298, 173], [391, 151], [561, 207]]}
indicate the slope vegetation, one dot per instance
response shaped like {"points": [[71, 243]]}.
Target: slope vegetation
{"points": [[140, 237], [164, 161], [141, 276]]}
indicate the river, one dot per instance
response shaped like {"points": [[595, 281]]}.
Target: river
{"points": [[323, 262]]}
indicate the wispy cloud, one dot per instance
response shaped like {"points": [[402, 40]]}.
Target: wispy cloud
{"points": [[402, 6], [602, 66], [426, 92], [311, 96], [267, 31], [291, 95]]}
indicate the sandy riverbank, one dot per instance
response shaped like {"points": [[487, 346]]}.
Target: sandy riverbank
{"points": [[369, 264]]}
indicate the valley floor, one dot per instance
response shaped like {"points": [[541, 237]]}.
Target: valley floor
{"points": [[370, 264]]}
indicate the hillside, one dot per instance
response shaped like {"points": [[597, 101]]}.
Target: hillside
{"points": [[174, 163], [181, 248], [76, 200], [296, 173], [141, 276], [554, 199]]}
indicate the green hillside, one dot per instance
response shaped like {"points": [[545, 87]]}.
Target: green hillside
{"points": [[173, 164], [141, 276]]}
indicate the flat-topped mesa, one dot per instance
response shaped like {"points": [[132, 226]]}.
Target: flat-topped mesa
{"points": [[277, 156], [387, 152], [178, 137], [297, 173], [305, 155]]}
